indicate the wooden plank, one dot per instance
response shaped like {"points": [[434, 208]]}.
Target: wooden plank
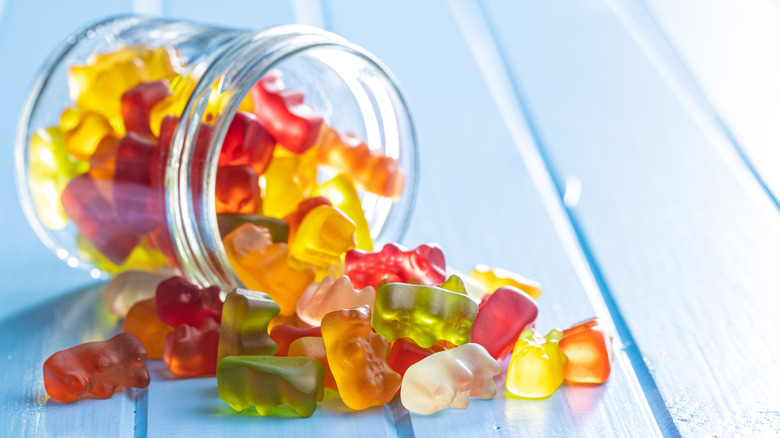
{"points": [[688, 250], [736, 71], [500, 220]]}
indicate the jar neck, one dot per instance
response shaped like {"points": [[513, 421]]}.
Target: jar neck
{"points": [[229, 71]]}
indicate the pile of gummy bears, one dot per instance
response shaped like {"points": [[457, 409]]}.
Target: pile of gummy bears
{"points": [[321, 309]]}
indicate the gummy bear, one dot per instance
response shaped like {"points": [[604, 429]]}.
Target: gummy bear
{"points": [[97, 368], [314, 347], [588, 348], [536, 367], [329, 295], [357, 358], [405, 353], [449, 378], [191, 351], [137, 103], [94, 217], [295, 218], [237, 190], [294, 124], [133, 185], [245, 318], [423, 313], [263, 266], [143, 322], [82, 131], [181, 302], [324, 235], [247, 143], [284, 335], [49, 170], [341, 192], [493, 278], [268, 382], [278, 229], [371, 170], [128, 288], [288, 180], [395, 264], [502, 316]]}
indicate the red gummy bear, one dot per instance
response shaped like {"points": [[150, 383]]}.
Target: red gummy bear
{"points": [[133, 184], [502, 316], [191, 351], [181, 302], [88, 209], [405, 353], [137, 103], [247, 143], [425, 263], [237, 190], [97, 368], [284, 335], [294, 125]]}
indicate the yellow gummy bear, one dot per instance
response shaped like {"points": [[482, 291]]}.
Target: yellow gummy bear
{"points": [[288, 180], [50, 169], [536, 368], [142, 257], [342, 193], [324, 235], [82, 131], [494, 278], [99, 85]]}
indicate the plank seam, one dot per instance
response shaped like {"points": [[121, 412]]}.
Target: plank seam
{"points": [[491, 61]]}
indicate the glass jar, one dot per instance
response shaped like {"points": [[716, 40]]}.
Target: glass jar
{"points": [[212, 71]]}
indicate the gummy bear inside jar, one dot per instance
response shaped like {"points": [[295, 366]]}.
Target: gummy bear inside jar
{"points": [[307, 132]]}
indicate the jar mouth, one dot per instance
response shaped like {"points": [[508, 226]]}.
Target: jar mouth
{"points": [[380, 113]]}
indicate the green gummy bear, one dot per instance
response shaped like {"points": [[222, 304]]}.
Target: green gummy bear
{"points": [[278, 228], [244, 330], [268, 382], [454, 284], [425, 314]]}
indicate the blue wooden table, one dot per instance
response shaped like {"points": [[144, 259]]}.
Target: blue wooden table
{"points": [[625, 153]]}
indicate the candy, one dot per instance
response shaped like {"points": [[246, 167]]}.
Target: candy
{"points": [[277, 228], [371, 170], [454, 284], [493, 278], [449, 378], [133, 185], [423, 313], [268, 382], [341, 192], [295, 218], [181, 302], [245, 318], [137, 103], [589, 351], [314, 347], [50, 169], [502, 316], [395, 264], [324, 235], [536, 367], [329, 295], [128, 288], [97, 368], [263, 266], [191, 351], [247, 143], [294, 125], [93, 215], [143, 322], [357, 358], [288, 180], [237, 190], [82, 131], [284, 335], [405, 353]]}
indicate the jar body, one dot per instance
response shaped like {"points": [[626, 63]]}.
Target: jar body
{"points": [[105, 195]]}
